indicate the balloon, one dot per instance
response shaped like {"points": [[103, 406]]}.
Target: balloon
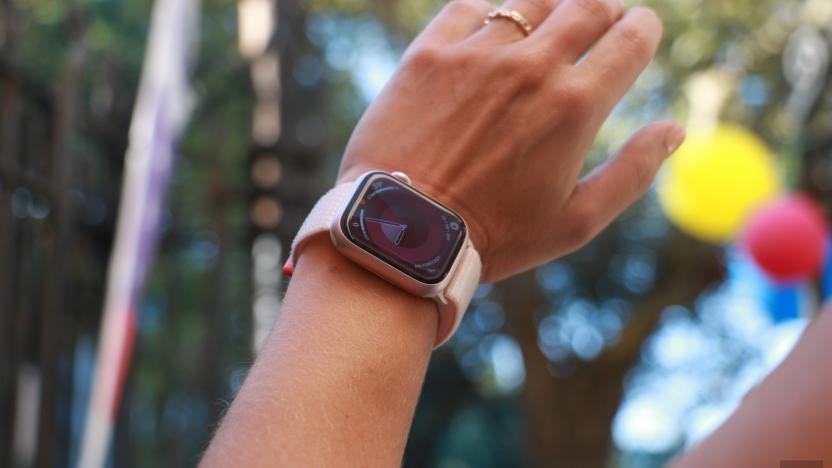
{"points": [[788, 239], [826, 276], [715, 181], [783, 302]]}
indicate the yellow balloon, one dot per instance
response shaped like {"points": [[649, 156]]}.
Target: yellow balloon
{"points": [[715, 181]]}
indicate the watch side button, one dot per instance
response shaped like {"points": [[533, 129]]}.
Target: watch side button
{"points": [[401, 176]]}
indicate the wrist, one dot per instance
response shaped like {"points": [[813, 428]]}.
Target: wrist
{"points": [[347, 351], [443, 193], [391, 229], [379, 310]]}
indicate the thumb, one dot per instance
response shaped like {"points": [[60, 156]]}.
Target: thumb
{"points": [[615, 185]]}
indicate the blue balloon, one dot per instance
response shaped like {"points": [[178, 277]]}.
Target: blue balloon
{"points": [[783, 302], [826, 276]]}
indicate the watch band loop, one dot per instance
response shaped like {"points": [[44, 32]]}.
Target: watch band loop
{"points": [[327, 208]]}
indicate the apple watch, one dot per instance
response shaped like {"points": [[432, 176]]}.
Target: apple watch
{"points": [[382, 223]]}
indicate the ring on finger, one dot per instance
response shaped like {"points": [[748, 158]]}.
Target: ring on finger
{"points": [[512, 15]]}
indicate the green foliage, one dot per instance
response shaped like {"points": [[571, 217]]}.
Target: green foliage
{"points": [[195, 331]]}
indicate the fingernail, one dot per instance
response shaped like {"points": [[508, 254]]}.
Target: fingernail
{"points": [[674, 139]]}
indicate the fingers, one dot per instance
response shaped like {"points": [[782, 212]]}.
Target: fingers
{"points": [[622, 54], [612, 187], [577, 24], [455, 22], [503, 30]]}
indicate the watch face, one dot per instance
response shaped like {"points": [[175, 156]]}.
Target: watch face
{"points": [[403, 228]]}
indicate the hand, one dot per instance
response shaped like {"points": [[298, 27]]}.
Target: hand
{"points": [[496, 125]]}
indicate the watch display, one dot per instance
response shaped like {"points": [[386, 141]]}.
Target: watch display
{"points": [[402, 227]]}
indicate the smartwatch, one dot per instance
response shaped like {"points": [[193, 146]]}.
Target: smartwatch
{"points": [[384, 224]]}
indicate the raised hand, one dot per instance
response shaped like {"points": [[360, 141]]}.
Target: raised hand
{"points": [[496, 123]]}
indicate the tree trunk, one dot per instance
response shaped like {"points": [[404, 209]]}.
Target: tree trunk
{"points": [[9, 146], [570, 418], [57, 331]]}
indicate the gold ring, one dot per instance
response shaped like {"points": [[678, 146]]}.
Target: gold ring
{"points": [[511, 15]]}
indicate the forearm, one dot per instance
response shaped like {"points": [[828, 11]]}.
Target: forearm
{"points": [[338, 379], [788, 416]]}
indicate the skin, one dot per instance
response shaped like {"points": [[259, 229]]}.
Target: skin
{"points": [[337, 381], [470, 101], [496, 126], [788, 416]]}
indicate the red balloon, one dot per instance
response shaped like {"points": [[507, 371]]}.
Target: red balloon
{"points": [[788, 238]]}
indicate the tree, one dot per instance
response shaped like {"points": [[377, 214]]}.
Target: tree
{"points": [[68, 73]]}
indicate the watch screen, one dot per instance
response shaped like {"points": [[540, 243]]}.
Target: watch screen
{"points": [[400, 226]]}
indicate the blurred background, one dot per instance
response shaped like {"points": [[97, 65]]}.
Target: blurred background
{"points": [[621, 354]]}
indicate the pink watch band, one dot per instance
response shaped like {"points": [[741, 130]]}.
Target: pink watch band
{"points": [[320, 218], [462, 279]]}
